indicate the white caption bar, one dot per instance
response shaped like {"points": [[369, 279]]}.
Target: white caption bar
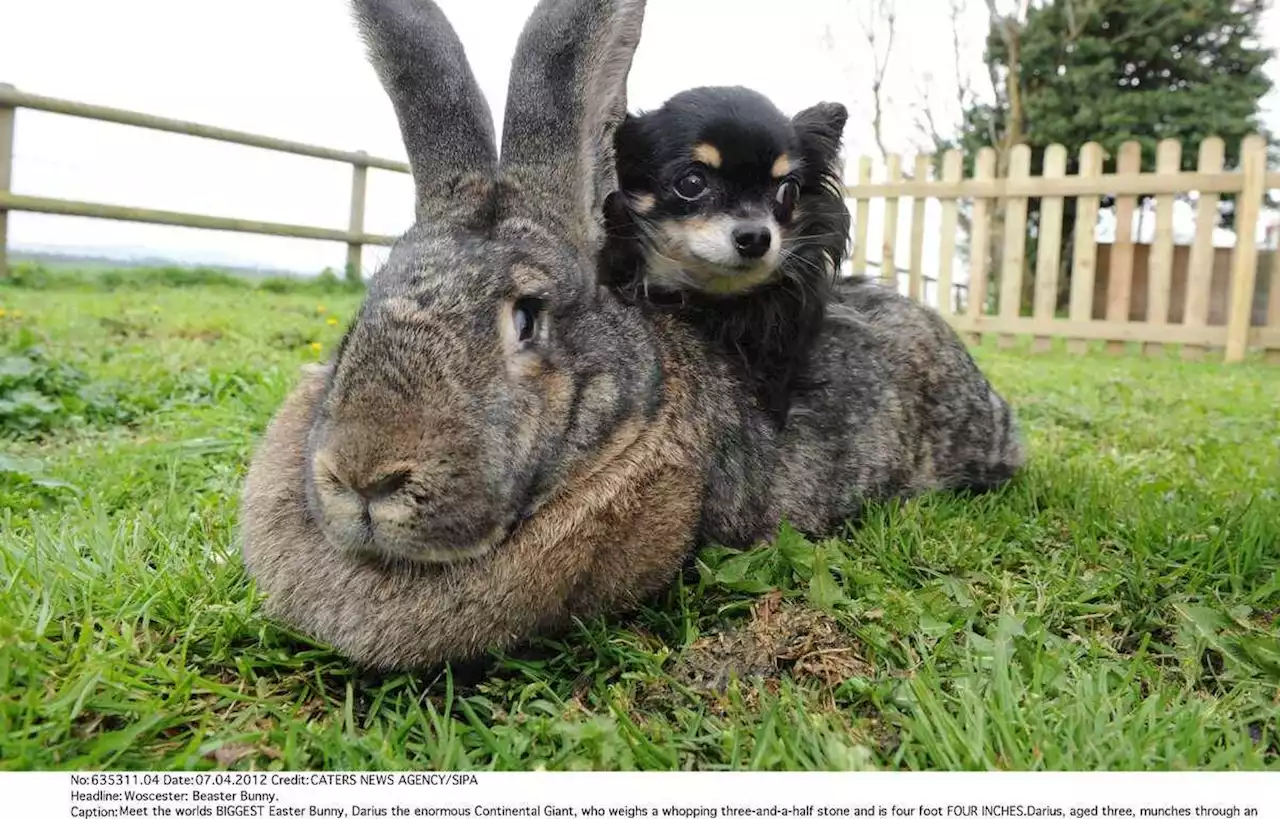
{"points": [[642, 796]]}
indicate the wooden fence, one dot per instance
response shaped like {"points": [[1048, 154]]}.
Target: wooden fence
{"points": [[1171, 310], [1093, 314], [354, 236]]}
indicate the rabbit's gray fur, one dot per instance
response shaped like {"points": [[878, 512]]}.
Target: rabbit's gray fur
{"points": [[893, 406], [512, 490]]}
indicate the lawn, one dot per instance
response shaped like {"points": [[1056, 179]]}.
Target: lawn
{"points": [[1115, 607]]}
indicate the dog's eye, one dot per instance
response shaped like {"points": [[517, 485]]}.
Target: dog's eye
{"points": [[691, 186], [525, 315], [785, 201]]}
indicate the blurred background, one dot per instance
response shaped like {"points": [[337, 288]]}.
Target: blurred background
{"points": [[918, 75]]}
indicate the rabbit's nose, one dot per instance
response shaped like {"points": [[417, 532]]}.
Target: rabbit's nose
{"points": [[381, 487]]}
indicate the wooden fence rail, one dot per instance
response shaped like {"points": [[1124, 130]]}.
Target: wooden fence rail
{"points": [[1099, 301], [354, 236], [1176, 304]]}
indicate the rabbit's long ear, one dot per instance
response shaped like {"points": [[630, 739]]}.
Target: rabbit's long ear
{"points": [[567, 94], [444, 120]]}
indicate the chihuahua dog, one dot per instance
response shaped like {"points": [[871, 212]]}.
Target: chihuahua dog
{"points": [[732, 215]]}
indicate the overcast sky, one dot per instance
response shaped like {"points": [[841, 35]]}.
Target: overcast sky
{"points": [[296, 69]]}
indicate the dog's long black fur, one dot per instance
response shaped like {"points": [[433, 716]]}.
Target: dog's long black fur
{"points": [[768, 330]]}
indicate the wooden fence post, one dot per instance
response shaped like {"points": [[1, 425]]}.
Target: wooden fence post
{"points": [[984, 170], [892, 209], [359, 178], [952, 168], [1015, 244], [1160, 260], [1048, 249], [1085, 254], [6, 177], [1200, 264], [1244, 261], [863, 210], [1120, 267], [915, 278]]}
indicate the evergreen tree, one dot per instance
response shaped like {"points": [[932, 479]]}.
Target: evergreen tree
{"points": [[1145, 70], [1116, 70]]}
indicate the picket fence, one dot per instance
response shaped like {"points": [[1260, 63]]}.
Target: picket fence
{"points": [[1236, 311], [1211, 302]]}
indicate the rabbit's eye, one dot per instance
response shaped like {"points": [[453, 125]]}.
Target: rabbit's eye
{"points": [[785, 201], [691, 186], [524, 318]]}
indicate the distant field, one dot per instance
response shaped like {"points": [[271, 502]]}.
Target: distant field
{"points": [[1114, 608], [89, 265]]}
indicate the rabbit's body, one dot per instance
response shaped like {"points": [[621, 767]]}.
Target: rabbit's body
{"points": [[891, 405], [501, 444], [702, 463]]}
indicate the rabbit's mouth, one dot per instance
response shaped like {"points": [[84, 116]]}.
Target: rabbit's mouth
{"points": [[397, 511], [389, 545], [448, 541], [395, 530]]}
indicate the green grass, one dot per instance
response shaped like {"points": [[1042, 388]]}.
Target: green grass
{"points": [[1114, 608]]}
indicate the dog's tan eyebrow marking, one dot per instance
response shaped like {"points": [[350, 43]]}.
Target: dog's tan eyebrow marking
{"points": [[642, 203], [781, 166], [707, 154]]}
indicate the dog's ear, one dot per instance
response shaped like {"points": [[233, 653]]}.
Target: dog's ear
{"points": [[567, 95], [444, 119], [821, 128], [828, 117]]}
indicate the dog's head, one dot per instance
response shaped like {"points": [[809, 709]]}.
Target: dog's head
{"points": [[719, 187]]}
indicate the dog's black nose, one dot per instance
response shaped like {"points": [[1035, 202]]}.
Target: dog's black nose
{"points": [[752, 242]]}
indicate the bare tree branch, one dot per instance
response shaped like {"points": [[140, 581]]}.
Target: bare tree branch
{"points": [[926, 113], [964, 81], [881, 10], [1009, 27], [925, 121]]}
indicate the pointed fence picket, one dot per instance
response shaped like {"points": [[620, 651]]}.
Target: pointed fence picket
{"points": [[1128, 291]]}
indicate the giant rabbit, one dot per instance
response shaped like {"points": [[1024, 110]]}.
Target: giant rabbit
{"points": [[500, 443]]}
